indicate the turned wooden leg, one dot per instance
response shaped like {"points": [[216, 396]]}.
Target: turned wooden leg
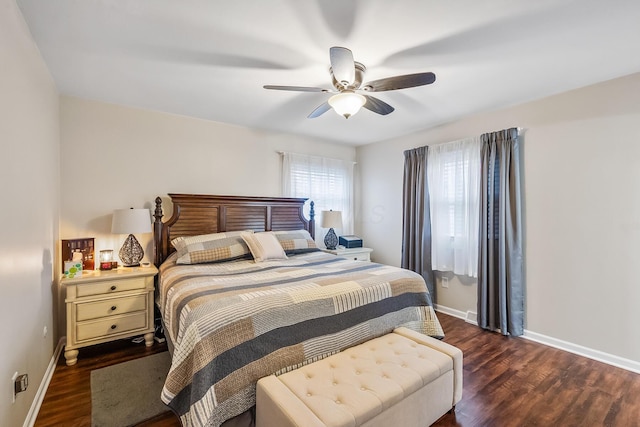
{"points": [[71, 356], [148, 339]]}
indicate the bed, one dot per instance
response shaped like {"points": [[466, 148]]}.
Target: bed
{"points": [[234, 318]]}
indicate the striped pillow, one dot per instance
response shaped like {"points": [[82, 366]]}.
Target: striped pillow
{"points": [[215, 247], [296, 241]]}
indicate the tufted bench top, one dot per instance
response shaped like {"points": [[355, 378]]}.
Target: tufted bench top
{"points": [[359, 383]]}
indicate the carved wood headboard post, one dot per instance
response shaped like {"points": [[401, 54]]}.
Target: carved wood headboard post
{"points": [[312, 220], [157, 232]]}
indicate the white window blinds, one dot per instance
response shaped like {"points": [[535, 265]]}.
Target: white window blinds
{"points": [[326, 182]]}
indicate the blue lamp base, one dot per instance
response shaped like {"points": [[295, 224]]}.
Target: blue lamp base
{"points": [[331, 240]]}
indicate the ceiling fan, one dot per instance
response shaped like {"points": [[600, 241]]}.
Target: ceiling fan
{"points": [[346, 76]]}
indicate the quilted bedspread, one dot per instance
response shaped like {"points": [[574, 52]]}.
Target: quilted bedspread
{"points": [[233, 323]]}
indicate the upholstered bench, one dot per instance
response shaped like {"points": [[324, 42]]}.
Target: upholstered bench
{"points": [[401, 379]]}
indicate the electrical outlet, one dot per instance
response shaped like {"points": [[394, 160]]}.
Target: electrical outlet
{"points": [[13, 386], [19, 383], [22, 382], [445, 282], [45, 331]]}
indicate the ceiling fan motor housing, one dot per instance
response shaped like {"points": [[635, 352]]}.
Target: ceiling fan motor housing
{"points": [[360, 69]]}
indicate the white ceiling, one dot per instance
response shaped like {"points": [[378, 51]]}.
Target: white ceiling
{"points": [[210, 59]]}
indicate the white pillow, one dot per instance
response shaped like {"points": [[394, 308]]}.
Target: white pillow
{"points": [[264, 246]]}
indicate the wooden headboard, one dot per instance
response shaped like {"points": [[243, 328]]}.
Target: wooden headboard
{"points": [[195, 214]]}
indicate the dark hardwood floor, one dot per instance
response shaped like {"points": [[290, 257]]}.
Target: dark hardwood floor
{"points": [[507, 382]]}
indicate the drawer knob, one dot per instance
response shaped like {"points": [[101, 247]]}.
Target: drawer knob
{"points": [[113, 308], [113, 288], [113, 326]]}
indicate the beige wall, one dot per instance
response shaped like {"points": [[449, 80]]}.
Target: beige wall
{"points": [[67, 166], [581, 158], [116, 157], [29, 146]]}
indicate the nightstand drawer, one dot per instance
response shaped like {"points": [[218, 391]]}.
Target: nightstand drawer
{"points": [[355, 254], [110, 307], [359, 257], [110, 286], [111, 326]]}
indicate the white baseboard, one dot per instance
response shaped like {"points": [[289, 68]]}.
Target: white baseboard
{"points": [[44, 384], [600, 356]]}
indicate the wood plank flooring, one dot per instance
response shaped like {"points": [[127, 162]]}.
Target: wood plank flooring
{"points": [[507, 382]]}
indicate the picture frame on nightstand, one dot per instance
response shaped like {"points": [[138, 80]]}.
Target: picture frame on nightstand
{"points": [[85, 246]]}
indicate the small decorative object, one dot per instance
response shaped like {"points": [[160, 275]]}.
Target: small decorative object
{"points": [[72, 269], [106, 258], [84, 246], [350, 241], [130, 221], [77, 256], [331, 219]]}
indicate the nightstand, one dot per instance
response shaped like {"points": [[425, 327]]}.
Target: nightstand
{"points": [[356, 254], [104, 306]]}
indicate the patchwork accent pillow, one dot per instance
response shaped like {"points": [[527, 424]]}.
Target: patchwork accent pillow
{"points": [[296, 241], [214, 247], [264, 246]]}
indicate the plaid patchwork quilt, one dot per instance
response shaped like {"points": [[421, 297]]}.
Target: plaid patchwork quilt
{"points": [[233, 323]]}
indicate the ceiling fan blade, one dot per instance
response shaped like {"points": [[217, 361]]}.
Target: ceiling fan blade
{"points": [[377, 106], [399, 82], [296, 88], [343, 65], [322, 108]]}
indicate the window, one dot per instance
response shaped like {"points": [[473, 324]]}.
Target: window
{"points": [[326, 182], [454, 192]]}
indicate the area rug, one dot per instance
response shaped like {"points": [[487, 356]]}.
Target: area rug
{"points": [[128, 393]]}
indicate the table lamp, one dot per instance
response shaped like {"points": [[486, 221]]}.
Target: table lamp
{"points": [[130, 221], [331, 219]]}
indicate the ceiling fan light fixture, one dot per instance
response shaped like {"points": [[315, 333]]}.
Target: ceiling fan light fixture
{"points": [[347, 103]]}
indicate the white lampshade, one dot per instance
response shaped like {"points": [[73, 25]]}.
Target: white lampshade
{"points": [[131, 221], [347, 103], [331, 219]]}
